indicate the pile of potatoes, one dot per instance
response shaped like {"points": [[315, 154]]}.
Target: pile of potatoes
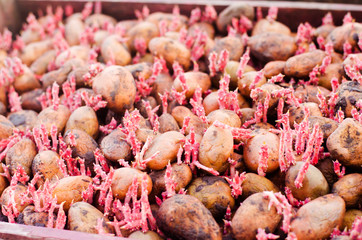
{"points": [[204, 205]]}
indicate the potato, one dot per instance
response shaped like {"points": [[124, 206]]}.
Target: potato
{"points": [[29, 100], [49, 117], [33, 218], [203, 27], [318, 218], [74, 26], [227, 117], [33, 51], [26, 82], [83, 217], [234, 45], [78, 74], [84, 118], [264, 25], [324, 30], [348, 94], [273, 102], [117, 87], [99, 20], [6, 128], [327, 169], [234, 10], [123, 178], [301, 65], [334, 70], [171, 50], [215, 148], [3, 181], [211, 102], [254, 183], [162, 84], [349, 188], [245, 82], [297, 114], [167, 123], [345, 143], [114, 147], [156, 17], [79, 52], [253, 147], [167, 144], [270, 46], [22, 153], [327, 125], [69, 190], [99, 37], [314, 184], [308, 93], [181, 174], [256, 209], [40, 65], [214, 192], [193, 81], [46, 164], [143, 30], [246, 114], [23, 119], [14, 193], [349, 218], [149, 235], [143, 69], [273, 68], [344, 33], [113, 50], [185, 217], [231, 69]]}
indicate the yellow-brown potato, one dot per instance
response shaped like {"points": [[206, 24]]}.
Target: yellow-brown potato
{"points": [[29, 100], [46, 164], [185, 217], [231, 69], [317, 219], [349, 188], [69, 190], [227, 117], [327, 125], [113, 49], [169, 18], [80, 52], [327, 169], [264, 25], [34, 50], [84, 118], [167, 144], [114, 147], [334, 70], [274, 68], [33, 218], [297, 114], [345, 143], [123, 178], [314, 184], [233, 11], [256, 209], [50, 117], [26, 82], [83, 217], [162, 84], [3, 95], [149, 235], [99, 37], [246, 114], [3, 181], [6, 128], [214, 192], [14, 193], [74, 26], [215, 148], [324, 30], [253, 147], [301, 65], [78, 73], [203, 27], [193, 81], [211, 102], [344, 33], [29, 35], [349, 217], [254, 183], [348, 94], [142, 69], [308, 93], [270, 46], [99, 20], [171, 50], [245, 82], [21, 154], [23, 119], [180, 112], [143, 30], [40, 65], [117, 87], [234, 45], [167, 123]]}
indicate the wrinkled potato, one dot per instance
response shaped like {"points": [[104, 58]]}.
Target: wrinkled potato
{"points": [[167, 144], [227, 117], [235, 10], [348, 94], [314, 184], [301, 65], [114, 147], [21, 154], [117, 87], [6, 128], [113, 50], [215, 148], [83, 118], [193, 81], [349, 188], [69, 190], [171, 50], [264, 25], [83, 217], [123, 178], [317, 219], [270, 46], [33, 218], [254, 183], [23, 119], [256, 209], [46, 164], [345, 143], [49, 117], [193, 221], [274, 68], [234, 45], [214, 192]]}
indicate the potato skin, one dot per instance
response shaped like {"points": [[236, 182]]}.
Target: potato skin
{"points": [[234, 45], [69, 189], [46, 164], [167, 123], [234, 10], [84, 118], [49, 116], [215, 148], [193, 81], [83, 217], [245, 82], [23, 119], [327, 125], [349, 187], [263, 25], [254, 183], [273, 68], [301, 65], [6, 128], [256, 208], [185, 217], [117, 87], [348, 94], [30, 101], [18, 190], [225, 116], [30, 217], [318, 218], [111, 48], [149, 235], [114, 147]]}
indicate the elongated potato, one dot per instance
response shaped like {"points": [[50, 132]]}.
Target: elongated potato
{"points": [[49, 116], [349, 188], [301, 65], [263, 25], [254, 183], [113, 49], [23, 119], [114, 147], [33, 218], [84, 118], [235, 10], [193, 81]]}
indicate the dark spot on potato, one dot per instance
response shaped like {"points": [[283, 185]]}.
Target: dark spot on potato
{"points": [[199, 188], [352, 100], [17, 119]]}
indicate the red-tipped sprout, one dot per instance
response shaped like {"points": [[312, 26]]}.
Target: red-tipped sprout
{"points": [[196, 103], [339, 116], [347, 18], [272, 14], [213, 64], [107, 129], [227, 220], [55, 96], [198, 48], [169, 183], [347, 49], [14, 100], [164, 99], [328, 19], [130, 125], [353, 69], [259, 76], [152, 115], [101, 160], [238, 133], [243, 62], [209, 15], [185, 124], [263, 159], [94, 102], [235, 183], [322, 103], [262, 235], [277, 78], [223, 60], [195, 16], [356, 115], [141, 15], [241, 25], [87, 10], [227, 99], [321, 42], [15, 65], [339, 169], [333, 97], [141, 163], [5, 40], [293, 201]]}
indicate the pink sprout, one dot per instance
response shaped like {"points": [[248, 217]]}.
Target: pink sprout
{"points": [[302, 132], [198, 48], [293, 201], [60, 44], [353, 69], [227, 99], [14, 100], [277, 78], [55, 96], [235, 183], [185, 124], [195, 16], [169, 183], [53, 135], [5, 40], [100, 159], [94, 102], [164, 98], [152, 115], [347, 49], [141, 163], [71, 99], [107, 129], [259, 76], [338, 170], [87, 37], [227, 220], [140, 46], [243, 62], [321, 42], [262, 235], [144, 14], [356, 115], [328, 19], [304, 33], [15, 65], [355, 233], [340, 116], [263, 159], [286, 153], [209, 15], [87, 10], [238, 133], [206, 169], [272, 14], [243, 25], [322, 102], [6, 172], [347, 18], [196, 103], [131, 124]]}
